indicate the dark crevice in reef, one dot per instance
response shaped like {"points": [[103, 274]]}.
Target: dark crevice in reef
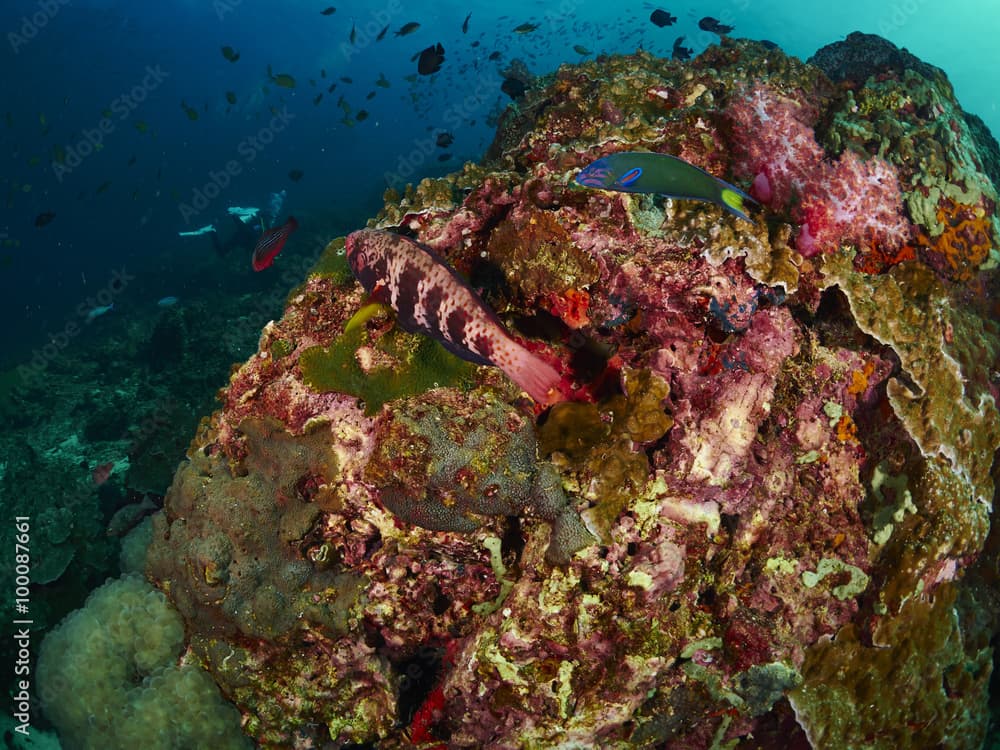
{"points": [[418, 675]]}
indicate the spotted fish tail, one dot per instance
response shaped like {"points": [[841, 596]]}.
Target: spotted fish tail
{"points": [[535, 376]]}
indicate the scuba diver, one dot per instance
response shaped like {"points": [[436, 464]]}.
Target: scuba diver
{"points": [[243, 237], [250, 228], [249, 224]]}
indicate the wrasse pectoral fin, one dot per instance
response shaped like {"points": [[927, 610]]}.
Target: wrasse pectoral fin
{"points": [[631, 176], [364, 314]]}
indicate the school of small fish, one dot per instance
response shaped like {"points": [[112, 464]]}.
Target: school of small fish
{"points": [[497, 42]]}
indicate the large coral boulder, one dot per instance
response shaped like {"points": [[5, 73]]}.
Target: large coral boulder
{"points": [[774, 450]]}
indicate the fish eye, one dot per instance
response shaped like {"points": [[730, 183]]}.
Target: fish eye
{"points": [[629, 177]]}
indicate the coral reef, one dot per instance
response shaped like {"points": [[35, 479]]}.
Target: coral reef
{"points": [[947, 163], [749, 516], [932, 657]]}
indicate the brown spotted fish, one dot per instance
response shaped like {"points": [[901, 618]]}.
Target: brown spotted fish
{"points": [[429, 297]]}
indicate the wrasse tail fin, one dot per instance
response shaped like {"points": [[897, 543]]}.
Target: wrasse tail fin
{"points": [[732, 199], [533, 374]]}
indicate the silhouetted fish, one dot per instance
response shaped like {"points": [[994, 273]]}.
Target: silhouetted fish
{"points": [[661, 18], [295, 175], [465, 24], [513, 87], [44, 219], [408, 28], [230, 54], [444, 139], [328, 11], [431, 60], [679, 51], [281, 79], [712, 24]]}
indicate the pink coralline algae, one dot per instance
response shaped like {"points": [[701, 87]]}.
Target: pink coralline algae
{"points": [[759, 516], [851, 199]]}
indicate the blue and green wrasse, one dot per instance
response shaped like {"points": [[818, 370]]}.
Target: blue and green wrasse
{"points": [[646, 172]]}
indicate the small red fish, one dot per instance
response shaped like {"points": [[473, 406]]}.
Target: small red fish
{"points": [[271, 242], [101, 473]]}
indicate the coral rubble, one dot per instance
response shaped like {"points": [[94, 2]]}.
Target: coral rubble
{"points": [[750, 514]]}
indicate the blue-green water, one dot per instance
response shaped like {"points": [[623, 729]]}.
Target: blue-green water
{"points": [[98, 101]]}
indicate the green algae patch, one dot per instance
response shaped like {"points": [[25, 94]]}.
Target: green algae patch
{"points": [[889, 514], [395, 365], [493, 544], [281, 348], [782, 565], [332, 262]]}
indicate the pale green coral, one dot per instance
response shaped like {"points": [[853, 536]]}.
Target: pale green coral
{"points": [[888, 516], [109, 677], [828, 566], [782, 565], [834, 411]]}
